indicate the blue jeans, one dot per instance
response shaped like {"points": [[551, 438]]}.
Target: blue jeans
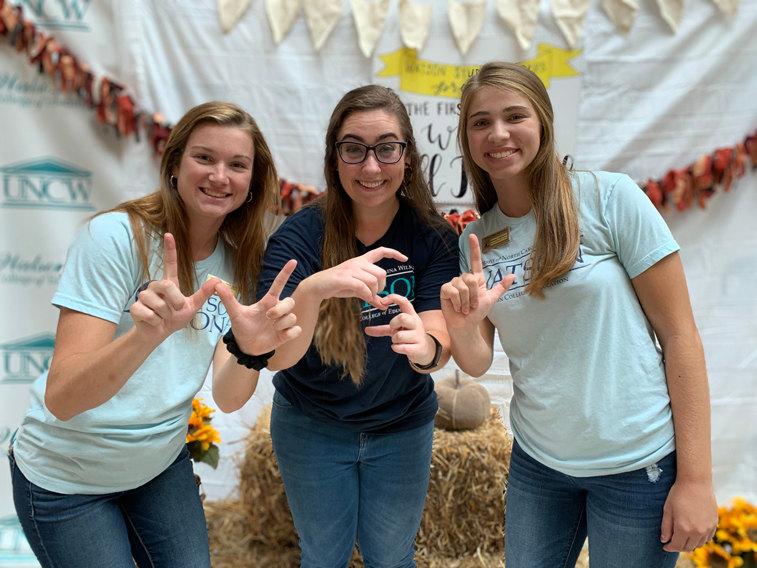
{"points": [[160, 524], [343, 485], [550, 514]]}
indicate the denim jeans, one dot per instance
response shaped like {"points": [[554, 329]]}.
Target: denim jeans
{"points": [[160, 524], [343, 485], [550, 514]]}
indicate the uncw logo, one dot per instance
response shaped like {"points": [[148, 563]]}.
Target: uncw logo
{"points": [[46, 183], [59, 14], [25, 360]]}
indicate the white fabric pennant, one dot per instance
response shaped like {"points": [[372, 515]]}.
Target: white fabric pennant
{"points": [[521, 16], [622, 13], [728, 7], [570, 16], [281, 16], [671, 11], [369, 21], [322, 16], [415, 23], [230, 12], [466, 19]]}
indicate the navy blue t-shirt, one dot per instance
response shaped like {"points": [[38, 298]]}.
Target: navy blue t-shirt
{"points": [[392, 397]]}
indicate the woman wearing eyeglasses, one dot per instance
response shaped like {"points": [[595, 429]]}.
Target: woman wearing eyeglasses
{"points": [[352, 420]]}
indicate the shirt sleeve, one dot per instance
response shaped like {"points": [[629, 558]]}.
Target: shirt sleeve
{"points": [[639, 234], [299, 238], [102, 270], [441, 267]]}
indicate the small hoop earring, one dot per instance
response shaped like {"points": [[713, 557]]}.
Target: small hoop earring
{"points": [[249, 197], [173, 181]]}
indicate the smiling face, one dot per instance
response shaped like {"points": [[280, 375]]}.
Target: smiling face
{"points": [[504, 133], [371, 184], [214, 173]]}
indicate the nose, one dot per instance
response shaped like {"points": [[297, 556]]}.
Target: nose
{"points": [[499, 132], [219, 175], [371, 163]]}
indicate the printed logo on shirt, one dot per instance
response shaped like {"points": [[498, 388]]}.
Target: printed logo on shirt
{"points": [[519, 264], [399, 280], [28, 270], [211, 318], [58, 14], [46, 183], [25, 360]]}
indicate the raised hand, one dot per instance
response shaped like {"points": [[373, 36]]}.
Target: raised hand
{"points": [[465, 299], [406, 330], [357, 277], [161, 308], [263, 326]]}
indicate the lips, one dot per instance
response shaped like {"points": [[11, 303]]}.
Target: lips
{"points": [[212, 193]]}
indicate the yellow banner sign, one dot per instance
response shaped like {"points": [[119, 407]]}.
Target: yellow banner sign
{"points": [[428, 78]]}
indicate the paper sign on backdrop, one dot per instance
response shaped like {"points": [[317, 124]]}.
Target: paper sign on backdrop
{"points": [[322, 16], [466, 19], [622, 13], [729, 7], [671, 11], [230, 11], [521, 16], [570, 16], [281, 16], [369, 20]]}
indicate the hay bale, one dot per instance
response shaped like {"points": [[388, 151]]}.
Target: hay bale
{"points": [[262, 491], [463, 519], [464, 514]]}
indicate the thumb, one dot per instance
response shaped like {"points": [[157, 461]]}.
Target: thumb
{"points": [[228, 299], [206, 291], [378, 330], [502, 286], [666, 529]]}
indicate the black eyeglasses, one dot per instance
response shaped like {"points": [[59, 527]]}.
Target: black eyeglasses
{"points": [[356, 152]]}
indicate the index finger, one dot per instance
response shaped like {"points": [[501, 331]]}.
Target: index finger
{"points": [[170, 264], [405, 305], [281, 279], [476, 265], [375, 255]]}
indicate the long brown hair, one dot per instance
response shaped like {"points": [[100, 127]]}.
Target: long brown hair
{"points": [[338, 334], [557, 239], [243, 229]]}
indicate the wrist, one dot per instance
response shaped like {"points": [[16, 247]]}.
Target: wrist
{"points": [[436, 348], [255, 362]]}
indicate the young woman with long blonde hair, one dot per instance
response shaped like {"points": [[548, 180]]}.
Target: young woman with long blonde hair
{"points": [[578, 273]]}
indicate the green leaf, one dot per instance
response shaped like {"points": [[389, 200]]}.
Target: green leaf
{"points": [[211, 456]]}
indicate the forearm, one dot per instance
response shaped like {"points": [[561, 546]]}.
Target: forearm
{"points": [[306, 308], [472, 352], [690, 402], [233, 385], [80, 382]]}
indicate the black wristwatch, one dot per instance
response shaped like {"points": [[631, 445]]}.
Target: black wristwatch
{"points": [[437, 356], [255, 362]]}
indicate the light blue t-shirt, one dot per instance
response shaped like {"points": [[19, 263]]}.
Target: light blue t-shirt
{"points": [[137, 434], [590, 393]]}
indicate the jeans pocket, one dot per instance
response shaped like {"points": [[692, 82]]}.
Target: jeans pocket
{"points": [[281, 402]]}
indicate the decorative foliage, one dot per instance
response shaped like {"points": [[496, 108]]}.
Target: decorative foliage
{"points": [[735, 542], [202, 437]]}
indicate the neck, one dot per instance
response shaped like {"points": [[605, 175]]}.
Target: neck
{"points": [[513, 197], [371, 224], [203, 239]]}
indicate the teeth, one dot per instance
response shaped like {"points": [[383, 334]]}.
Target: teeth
{"points": [[212, 193], [502, 154], [370, 185]]}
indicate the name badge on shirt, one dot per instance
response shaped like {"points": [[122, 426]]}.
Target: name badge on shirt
{"points": [[496, 239], [232, 287]]}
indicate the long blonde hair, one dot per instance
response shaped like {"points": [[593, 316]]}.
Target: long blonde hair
{"points": [[338, 334], [243, 229], [550, 191]]}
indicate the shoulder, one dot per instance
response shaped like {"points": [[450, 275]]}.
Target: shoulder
{"points": [[113, 223], [596, 189], [307, 221]]}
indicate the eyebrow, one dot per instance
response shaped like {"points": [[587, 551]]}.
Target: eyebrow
{"points": [[508, 109], [210, 150], [361, 139]]}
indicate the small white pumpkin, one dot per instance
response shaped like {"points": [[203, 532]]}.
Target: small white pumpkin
{"points": [[463, 403]]}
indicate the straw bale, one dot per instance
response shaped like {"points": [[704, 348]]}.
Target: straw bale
{"points": [[262, 491], [465, 505]]}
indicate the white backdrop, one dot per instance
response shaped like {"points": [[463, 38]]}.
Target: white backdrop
{"points": [[641, 105]]}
